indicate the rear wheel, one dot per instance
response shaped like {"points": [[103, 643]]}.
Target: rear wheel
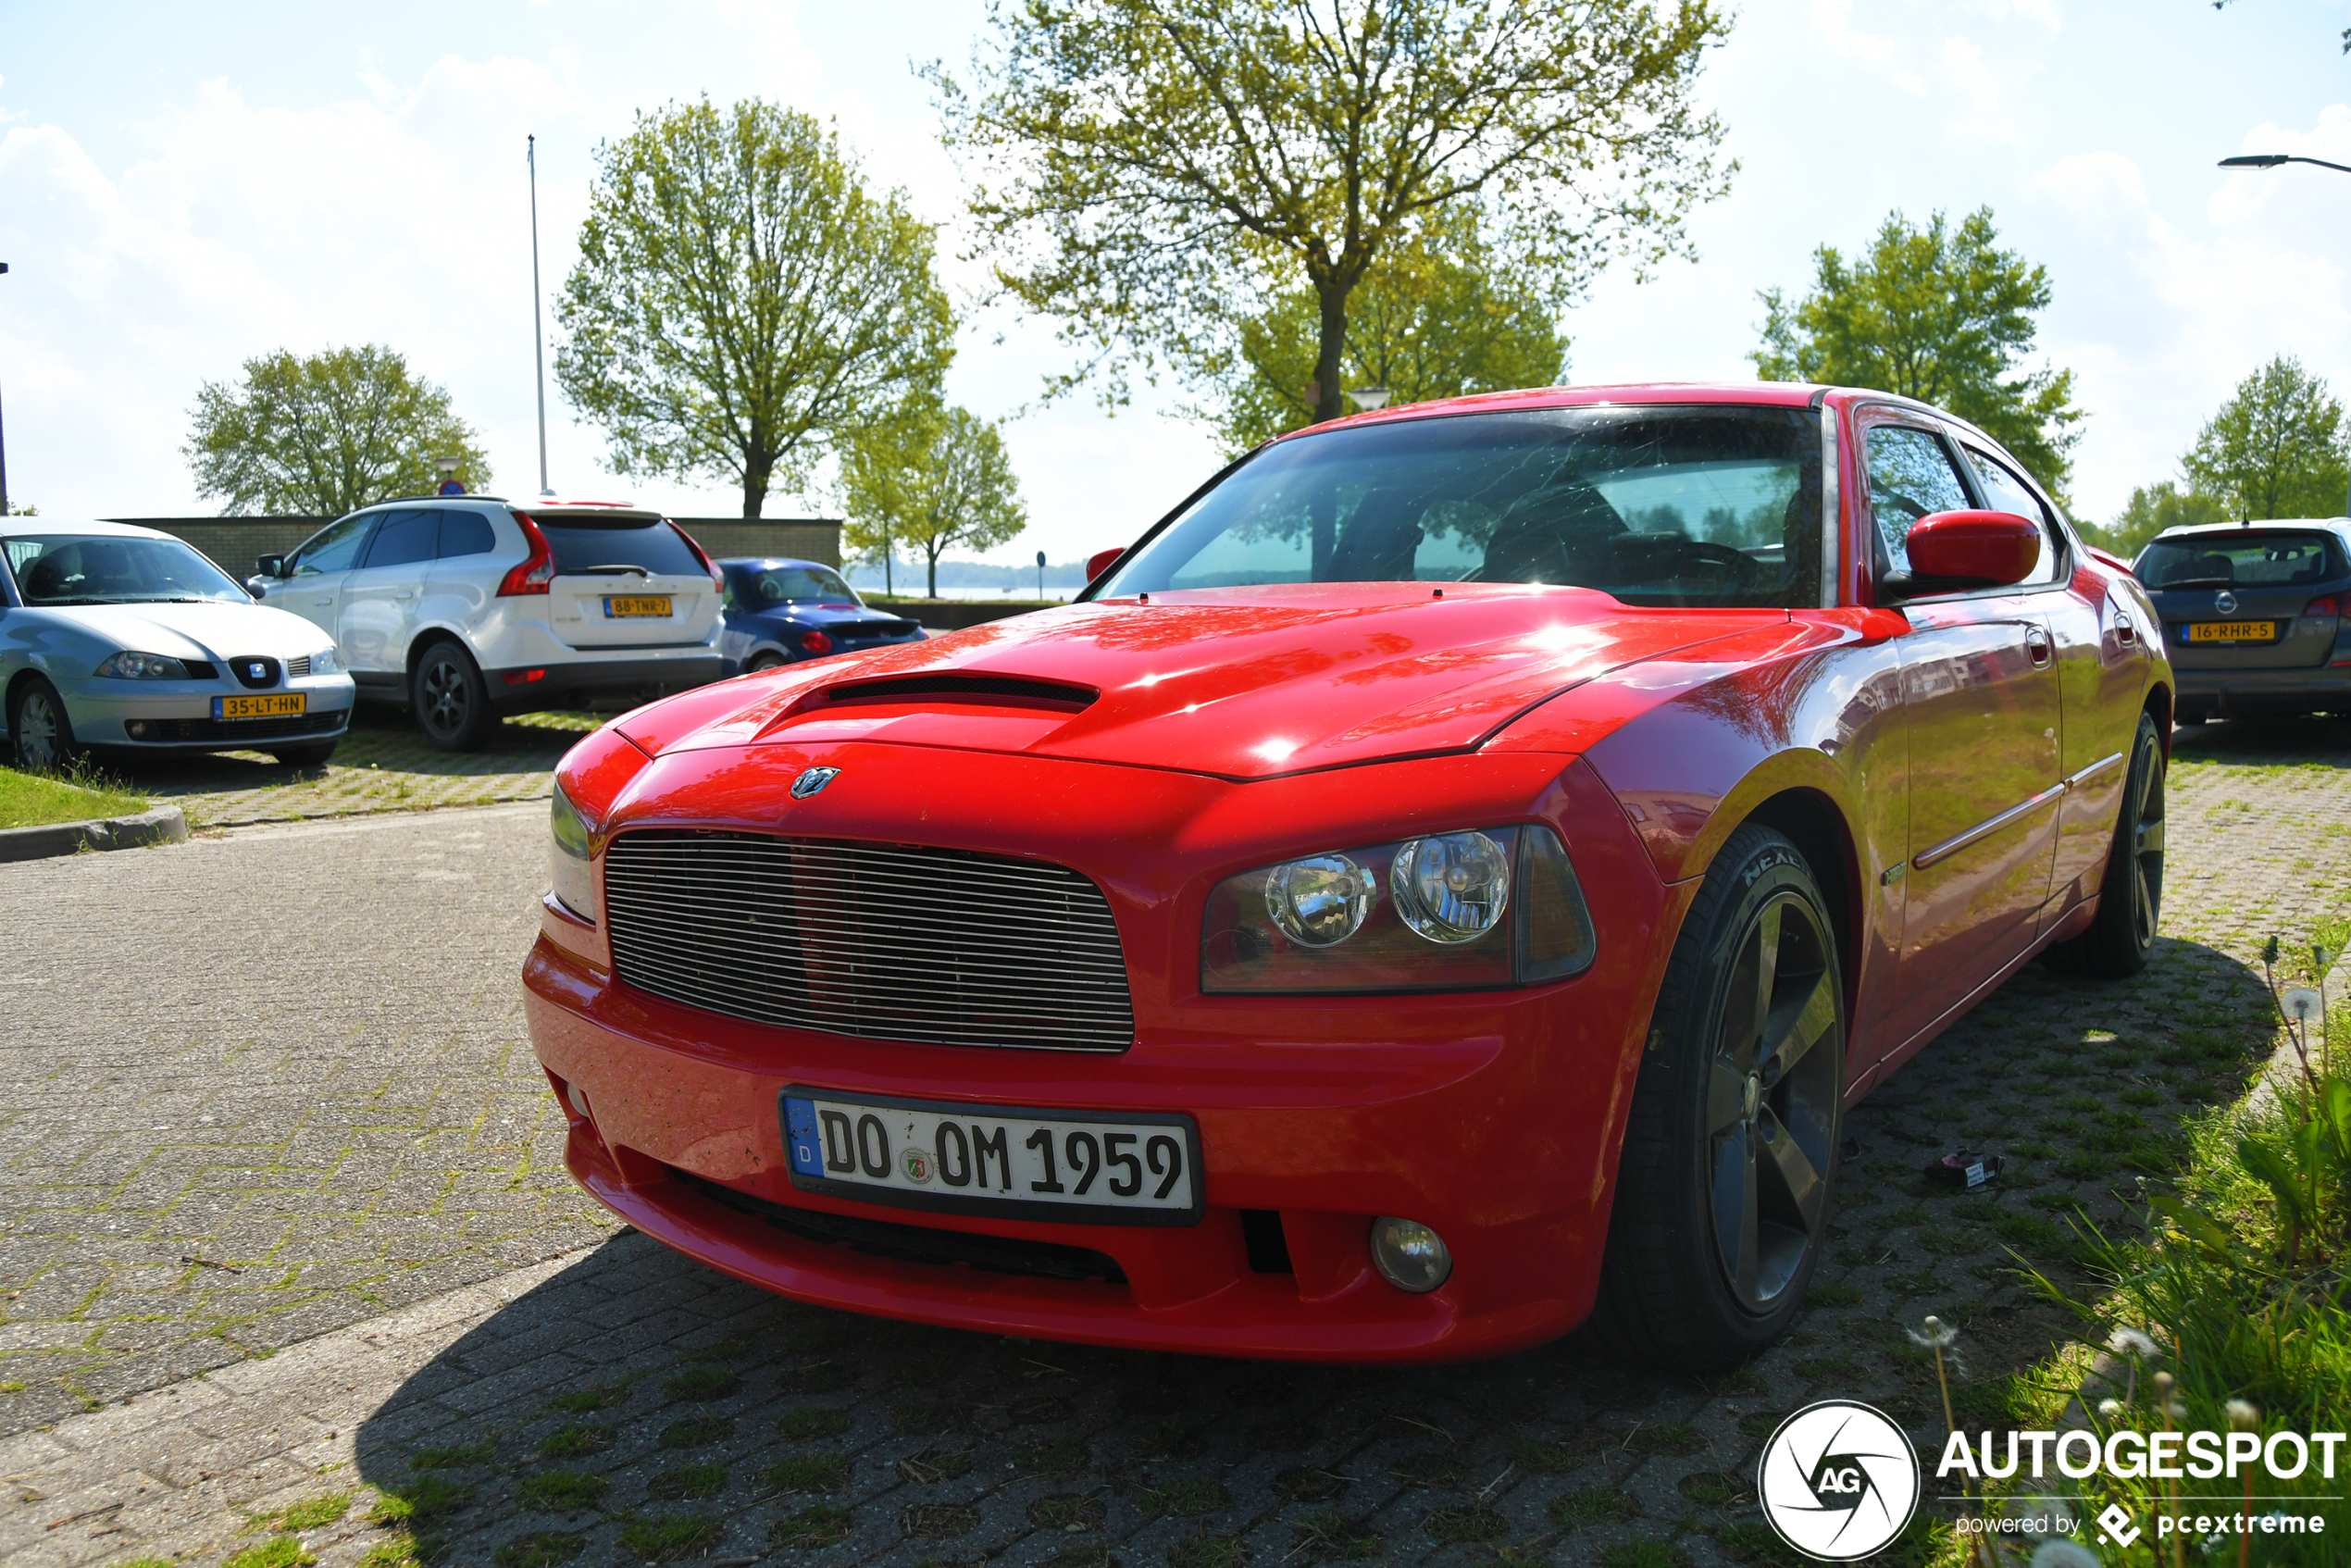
{"points": [[39, 733], [452, 704], [2121, 936], [764, 662], [1730, 1150]]}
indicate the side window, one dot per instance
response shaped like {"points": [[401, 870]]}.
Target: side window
{"points": [[2003, 491], [337, 548], [402, 539], [1911, 476], [466, 533]]}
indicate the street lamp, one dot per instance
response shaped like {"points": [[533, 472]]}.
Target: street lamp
{"points": [[1365, 399], [2271, 160], [3, 452]]}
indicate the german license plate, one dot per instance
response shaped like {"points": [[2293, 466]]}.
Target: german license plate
{"points": [[2232, 631], [276, 705], [1102, 1168], [621, 606]]}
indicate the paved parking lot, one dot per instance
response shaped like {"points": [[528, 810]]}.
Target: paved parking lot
{"points": [[337, 998]]}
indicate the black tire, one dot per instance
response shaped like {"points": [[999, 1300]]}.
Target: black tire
{"points": [[313, 755], [1729, 1165], [761, 664], [40, 731], [2121, 936], [450, 701]]}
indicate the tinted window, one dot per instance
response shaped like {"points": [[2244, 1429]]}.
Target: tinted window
{"points": [[1666, 506], [402, 539], [2003, 491], [111, 569], [787, 585], [2247, 557], [337, 547], [654, 545], [466, 533], [1911, 476]]}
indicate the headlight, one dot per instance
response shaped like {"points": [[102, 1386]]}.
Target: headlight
{"points": [[1452, 887], [570, 858], [324, 664], [1320, 899], [1500, 906], [142, 666]]}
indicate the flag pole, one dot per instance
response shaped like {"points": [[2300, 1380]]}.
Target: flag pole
{"points": [[537, 325]]}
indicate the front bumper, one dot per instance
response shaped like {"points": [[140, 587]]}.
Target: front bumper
{"points": [[176, 716], [1493, 1116], [2244, 694]]}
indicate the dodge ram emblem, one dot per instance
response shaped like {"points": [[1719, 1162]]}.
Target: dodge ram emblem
{"points": [[813, 779]]}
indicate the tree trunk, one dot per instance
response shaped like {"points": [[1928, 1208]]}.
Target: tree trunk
{"points": [[890, 552], [934, 571], [758, 468], [1330, 397]]}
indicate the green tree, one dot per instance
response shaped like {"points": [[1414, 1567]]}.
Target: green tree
{"points": [[325, 435], [740, 298], [2152, 509], [2276, 447], [1437, 315], [1151, 172], [928, 476], [1939, 314]]}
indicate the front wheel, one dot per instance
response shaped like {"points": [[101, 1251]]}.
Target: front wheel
{"points": [[2121, 935], [1730, 1150], [41, 734]]}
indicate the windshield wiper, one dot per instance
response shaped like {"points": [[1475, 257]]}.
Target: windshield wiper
{"points": [[613, 570], [2197, 582]]}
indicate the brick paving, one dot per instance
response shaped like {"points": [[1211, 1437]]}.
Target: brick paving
{"points": [[616, 1404], [384, 764]]}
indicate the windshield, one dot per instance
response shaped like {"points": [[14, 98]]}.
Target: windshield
{"points": [[99, 569], [786, 585], [1656, 506], [2246, 558], [594, 546]]}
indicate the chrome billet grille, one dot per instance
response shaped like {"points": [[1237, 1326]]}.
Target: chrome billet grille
{"points": [[297, 668], [880, 942]]}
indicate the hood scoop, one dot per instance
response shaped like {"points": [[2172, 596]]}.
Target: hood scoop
{"points": [[958, 691]]}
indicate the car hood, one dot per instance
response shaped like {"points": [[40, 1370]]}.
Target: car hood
{"points": [[1244, 683], [214, 630]]}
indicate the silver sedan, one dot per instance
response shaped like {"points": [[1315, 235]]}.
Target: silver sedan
{"points": [[127, 639]]}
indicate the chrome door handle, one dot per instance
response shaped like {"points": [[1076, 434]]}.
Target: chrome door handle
{"points": [[2124, 632], [2036, 646], [403, 597], [329, 600]]}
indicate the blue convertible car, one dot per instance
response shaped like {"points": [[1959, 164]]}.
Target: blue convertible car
{"points": [[780, 611]]}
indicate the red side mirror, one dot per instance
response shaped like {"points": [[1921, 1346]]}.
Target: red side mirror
{"points": [[1098, 561], [1993, 548]]}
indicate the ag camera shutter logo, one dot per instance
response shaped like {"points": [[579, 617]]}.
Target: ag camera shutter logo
{"points": [[1838, 1480]]}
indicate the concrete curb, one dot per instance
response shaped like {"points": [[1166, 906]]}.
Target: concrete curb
{"points": [[164, 825]]}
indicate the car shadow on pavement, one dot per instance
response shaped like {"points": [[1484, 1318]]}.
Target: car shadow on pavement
{"points": [[638, 1404]]}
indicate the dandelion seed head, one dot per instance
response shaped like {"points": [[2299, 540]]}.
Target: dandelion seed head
{"points": [[2110, 1409], [2176, 1410], [2131, 1342], [2244, 1416], [1932, 1334], [2163, 1382]]}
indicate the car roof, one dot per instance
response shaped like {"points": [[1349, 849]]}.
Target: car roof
{"points": [[765, 563], [18, 526], [2337, 525], [1764, 394]]}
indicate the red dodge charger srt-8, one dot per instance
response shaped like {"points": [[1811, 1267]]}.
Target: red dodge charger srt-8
{"points": [[1443, 883]]}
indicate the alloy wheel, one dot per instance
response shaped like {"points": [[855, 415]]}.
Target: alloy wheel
{"points": [[1770, 1104], [2144, 812], [445, 696], [37, 749]]}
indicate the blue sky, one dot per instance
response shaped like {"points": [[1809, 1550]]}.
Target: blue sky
{"points": [[182, 187]]}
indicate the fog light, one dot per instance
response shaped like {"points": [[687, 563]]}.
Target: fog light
{"points": [[578, 1098], [137, 729], [1409, 1255]]}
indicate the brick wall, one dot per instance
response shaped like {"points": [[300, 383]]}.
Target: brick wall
{"points": [[234, 543]]}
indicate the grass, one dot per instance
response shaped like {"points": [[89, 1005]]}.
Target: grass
{"points": [[564, 1491], [810, 1529], [571, 1442], [307, 1514], [29, 800], [1184, 1499], [689, 1481], [427, 1497], [810, 1472], [667, 1540], [704, 1383], [542, 1549], [812, 1421], [697, 1431], [279, 1551], [1594, 1505]]}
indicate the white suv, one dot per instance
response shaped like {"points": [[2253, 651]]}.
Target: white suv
{"points": [[465, 608]]}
